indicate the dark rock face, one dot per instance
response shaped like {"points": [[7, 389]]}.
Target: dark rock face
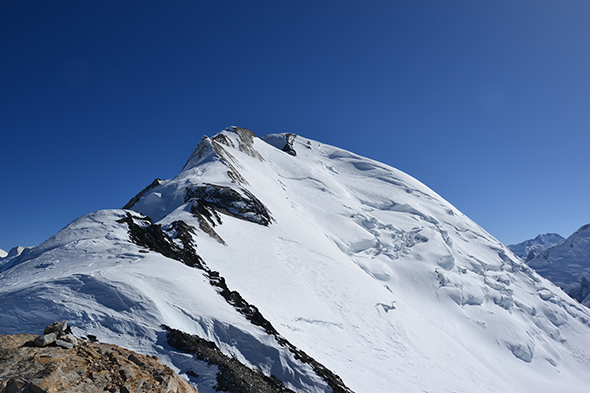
{"points": [[146, 234], [208, 219], [241, 204], [233, 376], [86, 368], [288, 148]]}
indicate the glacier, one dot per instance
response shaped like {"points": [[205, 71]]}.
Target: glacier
{"points": [[327, 270]]}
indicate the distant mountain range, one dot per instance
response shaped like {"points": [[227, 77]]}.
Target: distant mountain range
{"points": [[529, 249], [566, 262], [315, 268]]}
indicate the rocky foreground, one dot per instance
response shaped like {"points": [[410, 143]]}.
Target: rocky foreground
{"points": [[86, 367]]}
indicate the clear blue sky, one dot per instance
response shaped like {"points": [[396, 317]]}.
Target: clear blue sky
{"points": [[486, 102]]}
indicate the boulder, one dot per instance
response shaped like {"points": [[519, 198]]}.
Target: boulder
{"points": [[64, 344], [46, 339], [56, 327]]}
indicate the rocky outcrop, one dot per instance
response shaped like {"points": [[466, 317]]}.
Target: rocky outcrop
{"points": [[239, 203], [87, 368], [232, 376], [288, 148]]}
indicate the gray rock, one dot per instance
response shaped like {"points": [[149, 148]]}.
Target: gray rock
{"points": [[69, 338], [64, 344], [46, 339], [56, 327]]}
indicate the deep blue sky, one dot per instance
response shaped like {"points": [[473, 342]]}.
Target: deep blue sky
{"points": [[486, 102]]}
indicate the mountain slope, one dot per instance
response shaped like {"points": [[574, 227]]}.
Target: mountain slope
{"points": [[529, 249], [324, 269], [568, 264]]}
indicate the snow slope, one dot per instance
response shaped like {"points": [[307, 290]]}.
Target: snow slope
{"points": [[528, 249], [3, 253], [568, 264], [359, 266]]}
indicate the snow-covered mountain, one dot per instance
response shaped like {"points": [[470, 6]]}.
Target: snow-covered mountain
{"points": [[568, 264], [3, 253], [324, 269], [529, 249], [14, 252]]}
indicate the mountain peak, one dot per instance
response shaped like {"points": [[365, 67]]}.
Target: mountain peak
{"points": [[308, 263], [549, 237], [216, 147], [528, 249]]}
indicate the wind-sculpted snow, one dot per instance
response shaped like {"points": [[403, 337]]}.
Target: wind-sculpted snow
{"points": [[364, 272]]}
